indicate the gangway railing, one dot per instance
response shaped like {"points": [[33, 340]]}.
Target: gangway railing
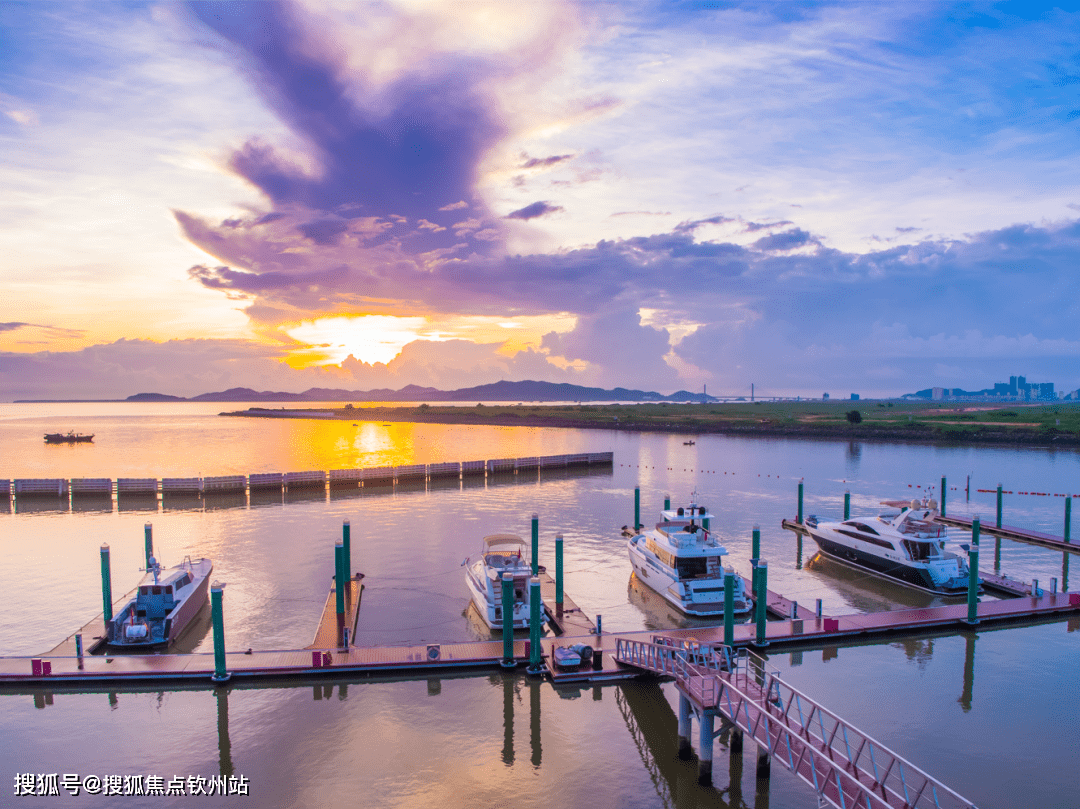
{"points": [[846, 767]]}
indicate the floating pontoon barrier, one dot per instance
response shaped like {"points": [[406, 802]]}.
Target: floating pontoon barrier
{"points": [[5, 487], [266, 480], [95, 486], [223, 483], [553, 461], [473, 467], [444, 470], [56, 487], [599, 458], [345, 477], [501, 465], [378, 476], [411, 472], [527, 463], [181, 485], [581, 459], [305, 480], [136, 485]]}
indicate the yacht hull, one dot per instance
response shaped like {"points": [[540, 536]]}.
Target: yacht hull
{"points": [[910, 575], [710, 592]]}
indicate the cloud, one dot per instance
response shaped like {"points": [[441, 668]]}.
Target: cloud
{"points": [[533, 211], [543, 162]]}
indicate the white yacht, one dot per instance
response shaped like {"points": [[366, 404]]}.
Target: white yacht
{"points": [[502, 553], [682, 561], [906, 545]]}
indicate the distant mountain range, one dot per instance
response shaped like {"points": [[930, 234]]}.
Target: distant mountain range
{"points": [[526, 391]]}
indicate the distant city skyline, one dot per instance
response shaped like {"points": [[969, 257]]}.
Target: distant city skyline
{"points": [[287, 195]]}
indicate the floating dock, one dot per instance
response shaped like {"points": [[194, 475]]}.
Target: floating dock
{"points": [[1014, 533]]}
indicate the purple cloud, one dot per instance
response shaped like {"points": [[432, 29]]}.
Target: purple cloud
{"points": [[533, 211]]}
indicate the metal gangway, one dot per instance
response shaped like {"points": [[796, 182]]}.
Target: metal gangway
{"points": [[845, 767]]}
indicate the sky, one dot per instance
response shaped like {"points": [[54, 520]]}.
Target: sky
{"points": [[807, 197]]}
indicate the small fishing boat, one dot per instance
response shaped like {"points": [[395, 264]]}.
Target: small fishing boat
{"points": [[681, 560], [502, 553], [163, 606], [68, 438], [907, 546]]}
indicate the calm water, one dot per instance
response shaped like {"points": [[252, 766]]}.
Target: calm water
{"points": [[989, 713]]}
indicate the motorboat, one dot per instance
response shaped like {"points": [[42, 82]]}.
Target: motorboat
{"points": [[681, 560], [907, 546], [68, 438], [502, 553], [164, 604]]}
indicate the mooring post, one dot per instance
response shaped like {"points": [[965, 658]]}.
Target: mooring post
{"points": [[106, 585], [799, 519], [973, 574], [967, 489], [534, 625], [558, 569], [1035, 591], [220, 674], [599, 624], [1053, 586], [685, 712], [817, 609], [729, 607], [637, 507], [339, 579], [847, 504], [943, 490], [999, 506], [997, 554], [1068, 517], [762, 589], [78, 648], [705, 522], [705, 746], [667, 502], [148, 541], [535, 544], [755, 546], [346, 544], [508, 620]]}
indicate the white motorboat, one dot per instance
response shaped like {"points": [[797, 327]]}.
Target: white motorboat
{"points": [[907, 546], [682, 561], [502, 553], [163, 606]]}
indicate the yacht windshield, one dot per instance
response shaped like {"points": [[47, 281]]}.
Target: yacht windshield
{"points": [[692, 568]]}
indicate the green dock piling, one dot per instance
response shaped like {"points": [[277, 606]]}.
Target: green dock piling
{"points": [[973, 575], [339, 579], [106, 584], [535, 544], [705, 523], [558, 569], [534, 625], [847, 505], [346, 544], [799, 518], [1068, 517], [760, 595], [729, 608], [637, 507], [999, 506], [943, 490], [220, 674], [508, 620], [756, 551], [148, 541], [667, 502]]}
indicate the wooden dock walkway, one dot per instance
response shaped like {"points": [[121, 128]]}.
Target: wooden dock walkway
{"points": [[780, 607], [422, 660], [328, 635], [566, 618], [1014, 533]]}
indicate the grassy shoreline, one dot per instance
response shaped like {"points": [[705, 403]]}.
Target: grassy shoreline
{"points": [[1051, 424]]}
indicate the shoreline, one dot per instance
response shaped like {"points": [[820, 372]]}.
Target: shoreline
{"points": [[494, 416]]}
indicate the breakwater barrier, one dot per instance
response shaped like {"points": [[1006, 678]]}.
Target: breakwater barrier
{"points": [[318, 480]]}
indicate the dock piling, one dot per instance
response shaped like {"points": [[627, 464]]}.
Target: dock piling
{"points": [[667, 502], [755, 552], [534, 625], [1053, 586], [686, 751], [339, 579], [943, 490], [559, 570], [799, 518], [999, 505], [1068, 517], [79, 648], [1035, 591], [535, 544], [705, 747], [599, 624], [817, 609], [847, 505], [220, 675], [508, 661], [637, 508], [761, 597], [729, 607], [973, 574], [148, 540], [106, 585], [346, 544]]}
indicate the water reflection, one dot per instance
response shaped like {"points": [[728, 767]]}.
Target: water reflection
{"points": [[969, 671], [534, 723], [509, 685], [225, 763], [853, 457]]}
